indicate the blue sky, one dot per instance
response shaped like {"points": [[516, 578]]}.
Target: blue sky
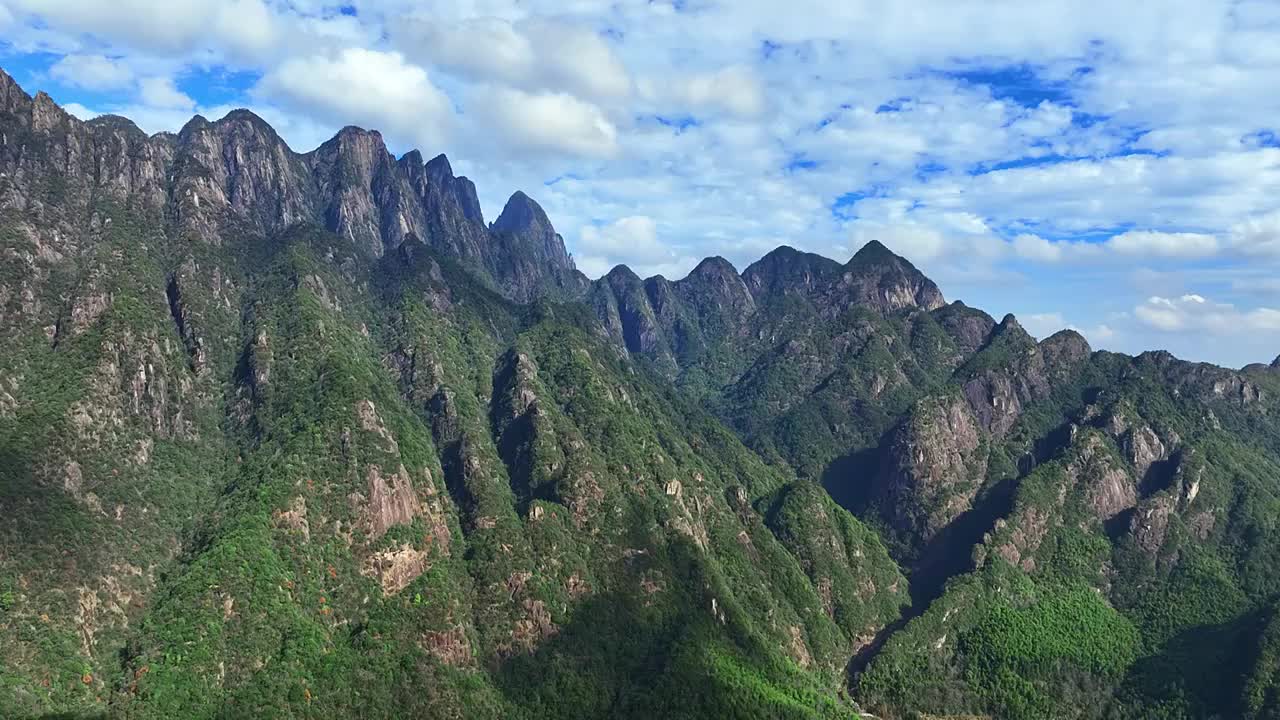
{"points": [[1113, 167]]}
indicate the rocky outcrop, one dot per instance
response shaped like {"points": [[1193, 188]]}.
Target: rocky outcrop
{"points": [[391, 501], [968, 328], [877, 278], [1150, 523], [397, 567], [1091, 472], [787, 271], [934, 464], [1208, 383], [623, 307], [529, 257], [1012, 371]]}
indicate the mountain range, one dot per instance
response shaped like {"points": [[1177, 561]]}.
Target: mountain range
{"points": [[301, 435]]}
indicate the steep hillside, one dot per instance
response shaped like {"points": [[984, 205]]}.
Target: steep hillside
{"points": [[300, 435], [264, 458]]}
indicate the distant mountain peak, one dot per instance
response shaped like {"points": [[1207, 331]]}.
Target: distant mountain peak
{"points": [[786, 269], [873, 251], [117, 122], [887, 281], [622, 273], [1276, 363], [1009, 323], [412, 158], [439, 166], [245, 115], [522, 215], [1067, 343], [715, 266]]}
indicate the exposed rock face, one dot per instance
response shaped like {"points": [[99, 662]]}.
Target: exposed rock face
{"points": [[969, 328], [933, 467], [396, 568], [716, 284], [1013, 371], [1110, 492], [234, 174], [1201, 380], [389, 503], [1109, 489], [1151, 522], [237, 168], [877, 278], [624, 308], [789, 271], [529, 255], [1143, 448]]}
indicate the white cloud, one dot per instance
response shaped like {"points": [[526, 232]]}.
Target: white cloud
{"points": [[1033, 247], [1149, 243], [160, 92], [238, 28], [735, 90], [535, 54], [1042, 325], [546, 122], [92, 72], [632, 241], [80, 111], [365, 87], [1192, 312], [1259, 235]]}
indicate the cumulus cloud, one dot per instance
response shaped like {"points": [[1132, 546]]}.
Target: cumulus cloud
{"points": [[545, 122], [736, 90], [1149, 243], [238, 28], [92, 72], [160, 92], [534, 54], [1195, 312], [632, 241], [364, 87]]}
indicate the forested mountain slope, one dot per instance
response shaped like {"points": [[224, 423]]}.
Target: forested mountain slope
{"points": [[300, 435]]}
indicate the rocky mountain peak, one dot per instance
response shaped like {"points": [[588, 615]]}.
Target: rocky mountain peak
{"points": [[1275, 364], [715, 285], [1010, 329], [715, 267], [412, 159], [194, 125], [878, 277], [874, 252], [522, 215], [10, 91], [523, 220], [117, 123], [244, 116], [621, 276], [1067, 346], [438, 167], [788, 270]]}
